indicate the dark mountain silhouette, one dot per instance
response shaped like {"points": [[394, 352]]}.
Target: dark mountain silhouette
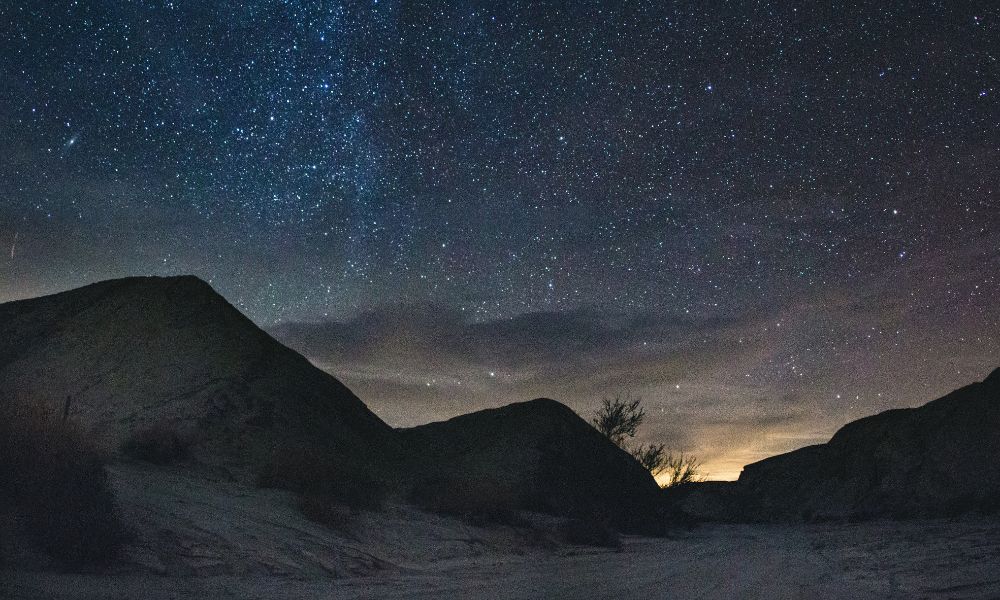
{"points": [[942, 458], [136, 352], [142, 352], [544, 455]]}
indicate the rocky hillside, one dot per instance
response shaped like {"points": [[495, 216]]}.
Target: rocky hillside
{"points": [[140, 352], [135, 352], [542, 454], [940, 459]]}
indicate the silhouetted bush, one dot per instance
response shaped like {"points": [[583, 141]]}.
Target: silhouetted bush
{"points": [[619, 418], [313, 472], [679, 469], [50, 472], [160, 444], [591, 532], [479, 502]]}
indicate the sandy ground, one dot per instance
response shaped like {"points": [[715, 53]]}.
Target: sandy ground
{"points": [[206, 536]]}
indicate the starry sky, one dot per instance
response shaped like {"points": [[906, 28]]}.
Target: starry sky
{"points": [[765, 218]]}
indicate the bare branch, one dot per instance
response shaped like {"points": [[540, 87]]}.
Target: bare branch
{"points": [[619, 418], [680, 469]]}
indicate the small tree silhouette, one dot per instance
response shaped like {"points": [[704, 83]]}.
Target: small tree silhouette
{"points": [[651, 457], [679, 469], [619, 418]]}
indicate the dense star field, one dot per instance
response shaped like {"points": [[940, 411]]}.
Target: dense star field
{"points": [[765, 219]]}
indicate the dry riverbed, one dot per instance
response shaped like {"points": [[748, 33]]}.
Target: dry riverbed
{"points": [[199, 536]]}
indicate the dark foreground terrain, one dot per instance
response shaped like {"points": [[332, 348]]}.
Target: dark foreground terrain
{"points": [[202, 536]]}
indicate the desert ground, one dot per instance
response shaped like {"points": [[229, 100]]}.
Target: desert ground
{"points": [[206, 534]]}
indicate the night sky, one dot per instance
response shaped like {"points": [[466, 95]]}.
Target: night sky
{"points": [[766, 219]]}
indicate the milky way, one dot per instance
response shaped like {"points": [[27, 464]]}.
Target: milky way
{"points": [[777, 216]]}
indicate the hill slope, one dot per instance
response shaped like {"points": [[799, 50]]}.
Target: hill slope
{"points": [[542, 453], [942, 458], [137, 352], [133, 352]]}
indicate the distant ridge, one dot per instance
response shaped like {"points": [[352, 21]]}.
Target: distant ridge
{"points": [[940, 459]]}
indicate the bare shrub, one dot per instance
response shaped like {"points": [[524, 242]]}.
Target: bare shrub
{"points": [[315, 472], [160, 444], [477, 501], [50, 471], [619, 418], [651, 457], [679, 469]]}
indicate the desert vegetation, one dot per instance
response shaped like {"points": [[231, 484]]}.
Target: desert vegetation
{"points": [[52, 476], [619, 417], [678, 469]]}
